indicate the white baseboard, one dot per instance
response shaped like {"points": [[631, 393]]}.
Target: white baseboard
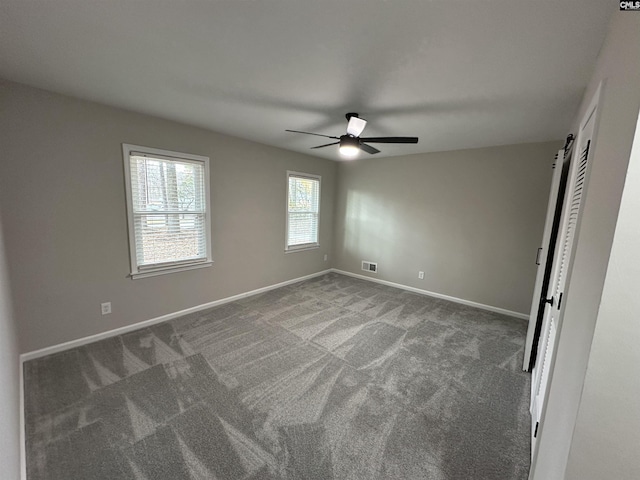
{"points": [[482, 306], [43, 352], [119, 331], [145, 323]]}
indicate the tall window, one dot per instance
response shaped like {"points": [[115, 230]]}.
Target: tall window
{"points": [[303, 211], [167, 206]]}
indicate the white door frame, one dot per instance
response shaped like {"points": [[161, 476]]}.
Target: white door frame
{"points": [[542, 374]]}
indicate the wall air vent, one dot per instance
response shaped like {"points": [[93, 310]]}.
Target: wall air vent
{"points": [[370, 267]]}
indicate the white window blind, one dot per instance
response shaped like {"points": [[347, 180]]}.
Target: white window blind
{"points": [[303, 210], [167, 203]]}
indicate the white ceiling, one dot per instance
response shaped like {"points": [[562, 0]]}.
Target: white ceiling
{"points": [[458, 74]]}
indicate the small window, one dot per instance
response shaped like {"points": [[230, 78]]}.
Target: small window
{"points": [[303, 211], [168, 210]]}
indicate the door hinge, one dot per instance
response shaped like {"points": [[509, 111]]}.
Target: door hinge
{"points": [[538, 256], [535, 433]]}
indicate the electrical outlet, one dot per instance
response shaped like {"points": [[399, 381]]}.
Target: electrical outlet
{"points": [[421, 275], [105, 308], [326, 257]]}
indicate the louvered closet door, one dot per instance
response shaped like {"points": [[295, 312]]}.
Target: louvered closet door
{"points": [[541, 258], [561, 267], [564, 248]]}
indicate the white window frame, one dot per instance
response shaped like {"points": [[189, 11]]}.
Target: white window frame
{"points": [[306, 246], [138, 271]]}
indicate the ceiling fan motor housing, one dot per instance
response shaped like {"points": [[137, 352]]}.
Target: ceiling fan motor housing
{"points": [[349, 141]]}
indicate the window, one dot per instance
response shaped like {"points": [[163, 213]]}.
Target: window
{"points": [[167, 208], [303, 211]]}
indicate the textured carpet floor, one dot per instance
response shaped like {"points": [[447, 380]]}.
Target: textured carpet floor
{"points": [[331, 378]]}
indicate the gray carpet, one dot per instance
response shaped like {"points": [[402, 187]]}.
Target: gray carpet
{"points": [[331, 378]]}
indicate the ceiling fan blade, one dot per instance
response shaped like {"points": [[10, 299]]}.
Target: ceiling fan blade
{"points": [[356, 126], [369, 148], [325, 145], [390, 139], [316, 134]]}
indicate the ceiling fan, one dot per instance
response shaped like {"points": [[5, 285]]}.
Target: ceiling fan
{"points": [[351, 143]]}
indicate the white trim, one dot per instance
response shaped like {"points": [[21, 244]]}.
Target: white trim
{"points": [[469, 303], [157, 153], [136, 271], [23, 437], [313, 246], [162, 271], [43, 352], [571, 399], [293, 248], [310, 176]]}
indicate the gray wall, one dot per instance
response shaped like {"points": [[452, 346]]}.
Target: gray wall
{"points": [[608, 447], [9, 384], [62, 192], [600, 449], [472, 220]]}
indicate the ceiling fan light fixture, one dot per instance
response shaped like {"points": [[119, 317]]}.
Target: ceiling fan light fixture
{"points": [[349, 146], [355, 124], [351, 143]]}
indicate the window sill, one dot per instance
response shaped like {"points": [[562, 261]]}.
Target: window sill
{"points": [[166, 270], [303, 248]]}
